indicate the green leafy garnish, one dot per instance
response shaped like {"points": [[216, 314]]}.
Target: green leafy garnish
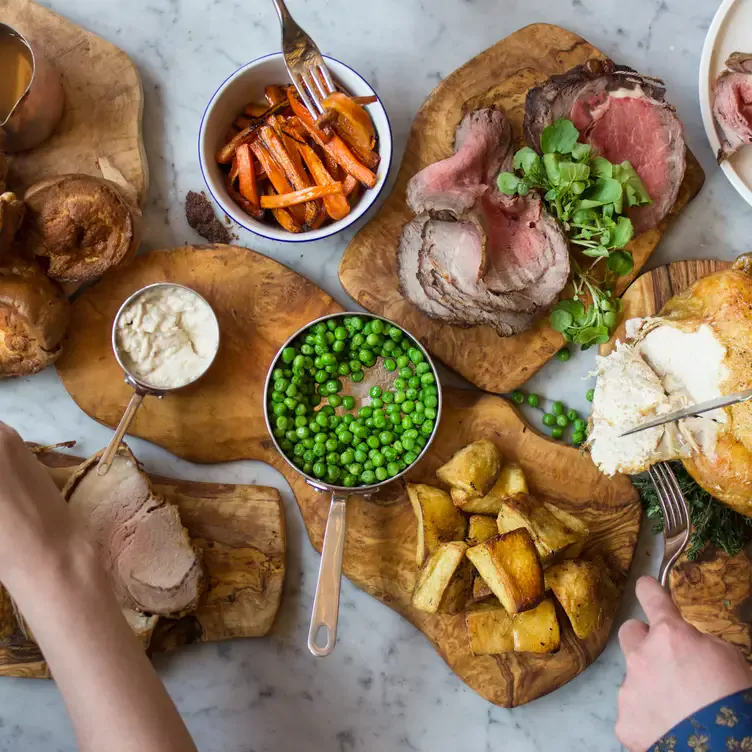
{"points": [[588, 195], [713, 523]]}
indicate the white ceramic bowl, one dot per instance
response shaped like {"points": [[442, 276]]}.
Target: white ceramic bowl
{"points": [[246, 85]]}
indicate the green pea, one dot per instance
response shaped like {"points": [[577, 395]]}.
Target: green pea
{"points": [[282, 422], [432, 390], [381, 474], [277, 374], [430, 412], [319, 328], [368, 328], [333, 473], [411, 393], [377, 326], [578, 437], [321, 376], [280, 409], [355, 365], [368, 477], [518, 396], [332, 459], [431, 401], [395, 333], [375, 391], [308, 455], [373, 442], [403, 361], [386, 437], [533, 400], [407, 422], [319, 450], [369, 422], [548, 419], [374, 340], [579, 425], [572, 414], [355, 469], [388, 397], [421, 441], [427, 428], [348, 402], [563, 354], [367, 358], [360, 456], [309, 442], [557, 408], [301, 421], [288, 354], [301, 409], [377, 403], [590, 394], [349, 480], [338, 346], [409, 458], [332, 445], [417, 356], [331, 369], [319, 469], [427, 379], [340, 333], [347, 457], [408, 406], [357, 341], [333, 386], [320, 438], [280, 385], [292, 436], [411, 434], [405, 372], [400, 397], [356, 323], [315, 400], [357, 376], [408, 443], [335, 400], [390, 364], [360, 432], [392, 469], [378, 459], [562, 420], [556, 432], [379, 421]]}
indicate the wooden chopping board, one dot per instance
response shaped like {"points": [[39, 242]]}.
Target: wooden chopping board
{"points": [[104, 102], [711, 592], [241, 532], [260, 303], [500, 76]]}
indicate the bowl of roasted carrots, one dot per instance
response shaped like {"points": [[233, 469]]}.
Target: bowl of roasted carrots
{"points": [[283, 172]]}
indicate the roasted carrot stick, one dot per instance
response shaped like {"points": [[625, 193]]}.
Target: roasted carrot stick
{"points": [[365, 100], [274, 95], [283, 216], [247, 177], [247, 135], [295, 128], [291, 166], [336, 205], [276, 177], [254, 110], [335, 146], [305, 118], [349, 185], [300, 197], [369, 158], [233, 176], [332, 166], [242, 122]]}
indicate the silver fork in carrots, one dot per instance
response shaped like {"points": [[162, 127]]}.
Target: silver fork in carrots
{"points": [[675, 515], [305, 64]]}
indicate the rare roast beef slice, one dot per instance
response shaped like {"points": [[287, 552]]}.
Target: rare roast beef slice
{"points": [[482, 149], [625, 117], [732, 104], [408, 253], [151, 563]]}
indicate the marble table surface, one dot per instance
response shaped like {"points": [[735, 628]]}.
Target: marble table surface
{"points": [[384, 688]]}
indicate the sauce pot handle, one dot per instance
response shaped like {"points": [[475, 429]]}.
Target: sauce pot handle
{"points": [[326, 603]]}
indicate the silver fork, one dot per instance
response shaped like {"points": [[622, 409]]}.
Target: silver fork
{"points": [[305, 65], [675, 516]]}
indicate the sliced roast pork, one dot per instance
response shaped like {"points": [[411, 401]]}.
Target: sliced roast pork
{"points": [[151, 563], [625, 117], [732, 104], [482, 149]]}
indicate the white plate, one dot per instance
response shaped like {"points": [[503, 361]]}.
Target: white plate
{"points": [[731, 31]]}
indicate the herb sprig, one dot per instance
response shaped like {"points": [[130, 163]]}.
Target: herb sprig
{"points": [[588, 195], [713, 523]]}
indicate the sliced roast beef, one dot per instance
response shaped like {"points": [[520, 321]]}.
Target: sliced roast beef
{"points": [[732, 104], [151, 563], [482, 149], [624, 116]]}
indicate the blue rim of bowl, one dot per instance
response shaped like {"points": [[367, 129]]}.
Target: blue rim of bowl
{"points": [[352, 219]]}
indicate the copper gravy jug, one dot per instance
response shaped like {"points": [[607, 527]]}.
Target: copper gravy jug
{"points": [[39, 107]]}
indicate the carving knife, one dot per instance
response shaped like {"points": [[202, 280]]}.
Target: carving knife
{"points": [[692, 410]]}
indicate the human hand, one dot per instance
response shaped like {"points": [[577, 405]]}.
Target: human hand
{"points": [[36, 527], [673, 670]]}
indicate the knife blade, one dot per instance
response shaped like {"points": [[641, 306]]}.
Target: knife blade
{"points": [[692, 410]]}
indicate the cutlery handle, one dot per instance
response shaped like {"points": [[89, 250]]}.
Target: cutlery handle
{"points": [[326, 601], [109, 454], [282, 12]]}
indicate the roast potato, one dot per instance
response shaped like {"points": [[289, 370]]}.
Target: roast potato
{"points": [[474, 469], [436, 574], [537, 630], [510, 566], [439, 520], [481, 591], [550, 536], [511, 481], [480, 528], [585, 592], [575, 524], [459, 592], [489, 628]]}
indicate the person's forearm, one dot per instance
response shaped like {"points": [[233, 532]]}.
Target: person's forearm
{"points": [[118, 702]]}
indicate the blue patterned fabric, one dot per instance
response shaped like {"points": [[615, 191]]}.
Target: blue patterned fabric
{"points": [[724, 726]]}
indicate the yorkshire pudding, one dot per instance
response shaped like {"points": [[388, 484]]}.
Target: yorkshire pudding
{"points": [[33, 318], [11, 216], [83, 225]]}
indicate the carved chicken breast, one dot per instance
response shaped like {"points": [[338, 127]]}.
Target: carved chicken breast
{"points": [[697, 348]]}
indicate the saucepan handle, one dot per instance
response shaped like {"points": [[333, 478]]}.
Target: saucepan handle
{"points": [[323, 632], [130, 413]]}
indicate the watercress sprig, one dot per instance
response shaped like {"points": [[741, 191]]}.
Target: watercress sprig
{"points": [[588, 195]]}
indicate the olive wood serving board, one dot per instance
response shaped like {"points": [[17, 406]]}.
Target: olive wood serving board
{"points": [[260, 303], [240, 530], [104, 102], [501, 77], [711, 592]]}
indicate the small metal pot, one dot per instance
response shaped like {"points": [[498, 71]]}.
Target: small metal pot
{"points": [[141, 388], [39, 109], [326, 602]]}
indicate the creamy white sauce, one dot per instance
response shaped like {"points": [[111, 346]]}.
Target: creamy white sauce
{"points": [[167, 337]]}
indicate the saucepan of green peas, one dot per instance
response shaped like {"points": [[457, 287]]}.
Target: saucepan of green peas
{"points": [[352, 401]]}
